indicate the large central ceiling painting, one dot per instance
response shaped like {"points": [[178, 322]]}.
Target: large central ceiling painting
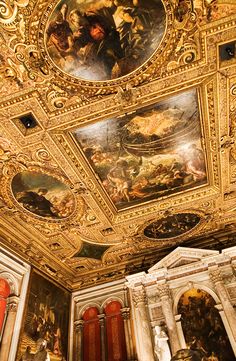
{"points": [[152, 153], [104, 39]]}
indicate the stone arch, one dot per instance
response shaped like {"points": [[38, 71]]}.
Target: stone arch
{"points": [[87, 306], [111, 299], [13, 282], [188, 287]]}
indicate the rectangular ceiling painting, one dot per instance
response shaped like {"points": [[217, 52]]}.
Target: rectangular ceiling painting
{"points": [[152, 153]]}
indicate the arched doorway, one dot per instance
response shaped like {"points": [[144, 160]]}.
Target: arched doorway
{"points": [[202, 325]]}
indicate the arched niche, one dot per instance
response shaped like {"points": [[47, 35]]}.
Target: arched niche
{"points": [[202, 325], [4, 294], [91, 335], [112, 299], [83, 309], [12, 281], [116, 347]]}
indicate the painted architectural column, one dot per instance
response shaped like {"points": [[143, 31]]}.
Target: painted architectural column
{"points": [[128, 337], [222, 293], [78, 340], [167, 309], [102, 330], [143, 326], [9, 326]]}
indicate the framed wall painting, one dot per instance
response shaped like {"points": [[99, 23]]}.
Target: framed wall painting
{"points": [[46, 320]]}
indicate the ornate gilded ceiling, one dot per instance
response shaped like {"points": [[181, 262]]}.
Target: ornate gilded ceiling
{"points": [[117, 132]]}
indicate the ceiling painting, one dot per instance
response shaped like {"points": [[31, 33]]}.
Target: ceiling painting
{"points": [[43, 195], [105, 39], [131, 150], [172, 226], [153, 153]]}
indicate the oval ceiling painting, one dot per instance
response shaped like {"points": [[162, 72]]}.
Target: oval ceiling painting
{"points": [[104, 39], [172, 226], [43, 195]]}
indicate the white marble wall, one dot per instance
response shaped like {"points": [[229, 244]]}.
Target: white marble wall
{"points": [[156, 295], [16, 273]]}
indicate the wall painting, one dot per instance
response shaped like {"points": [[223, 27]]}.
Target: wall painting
{"points": [[202, 326], [46, 320]]}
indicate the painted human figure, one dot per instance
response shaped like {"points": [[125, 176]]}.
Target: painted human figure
{"points": [[27, 355], [41, 353], [161, 349]]}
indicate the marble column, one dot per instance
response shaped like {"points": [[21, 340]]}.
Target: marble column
{"points": [[78, 340], [9, 326], [180, 331], [103, 336], [128, 336], [167, 309], [222, 293], [143, 326]]}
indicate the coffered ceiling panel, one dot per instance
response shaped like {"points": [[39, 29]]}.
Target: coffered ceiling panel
{"points": [[117, 132]]}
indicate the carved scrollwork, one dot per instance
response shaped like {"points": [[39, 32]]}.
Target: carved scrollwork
{"points": [[127, 96], [9, 12]]}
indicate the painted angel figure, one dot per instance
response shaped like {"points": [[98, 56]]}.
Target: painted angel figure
{"points": [[161, 349]]}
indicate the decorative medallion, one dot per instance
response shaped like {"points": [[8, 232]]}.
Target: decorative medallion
{"points": [[152, 153], [104, 39], [172, 226], [43, 195]]}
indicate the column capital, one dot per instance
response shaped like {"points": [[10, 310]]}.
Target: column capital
{"points": [[139, 297], [12, 307], [12, 303], [125, 312], [163, 290], [215, 275], [78, 324], [101, 319]]}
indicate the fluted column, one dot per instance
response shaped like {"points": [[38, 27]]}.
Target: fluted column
{"points": [[143, 326], [102, 333], [128, 337], [222, 293], [9, 326], [167, 309], [78, 340]]}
